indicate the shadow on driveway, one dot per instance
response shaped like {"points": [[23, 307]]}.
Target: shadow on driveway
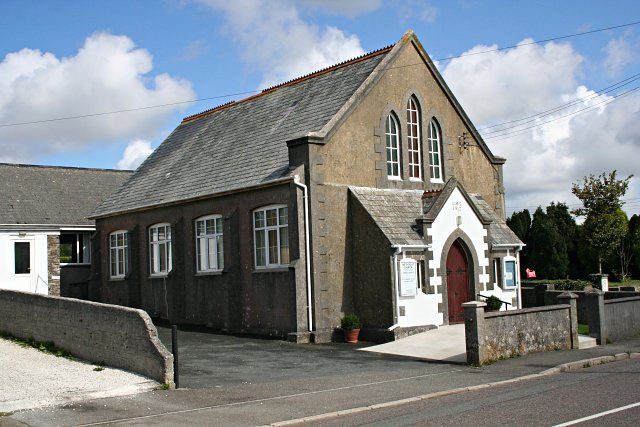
{"points": [[209, 360]]}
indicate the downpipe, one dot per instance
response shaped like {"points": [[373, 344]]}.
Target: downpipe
{"points": [[305, 191]]}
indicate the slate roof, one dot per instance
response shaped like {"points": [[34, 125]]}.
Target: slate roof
{"points": [[394, 211], [500, 232], [240, 144], [31, 194]]}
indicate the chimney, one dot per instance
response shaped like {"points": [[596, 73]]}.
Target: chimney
{"points": [[428, 199]]}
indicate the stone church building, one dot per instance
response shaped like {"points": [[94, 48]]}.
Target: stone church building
{"points": [[360, 188]]}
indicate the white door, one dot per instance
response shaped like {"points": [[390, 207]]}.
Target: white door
{"points": [[23, 265]]}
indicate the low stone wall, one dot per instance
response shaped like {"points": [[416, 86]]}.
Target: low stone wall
{"points": [[622, 317], [493, 336], [116, 336]]}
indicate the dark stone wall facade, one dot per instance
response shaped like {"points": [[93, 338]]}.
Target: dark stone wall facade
{"points": [[53, 264], [241, 298]]}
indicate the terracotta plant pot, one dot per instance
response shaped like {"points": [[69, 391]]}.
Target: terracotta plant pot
{"points": [[351, 335]]}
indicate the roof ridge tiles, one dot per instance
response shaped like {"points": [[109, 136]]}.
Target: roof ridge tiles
{"points": [[296, 80], [26, 165]]}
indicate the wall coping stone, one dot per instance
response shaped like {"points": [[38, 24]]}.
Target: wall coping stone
{"points": [[620, 300], [527, 310]]}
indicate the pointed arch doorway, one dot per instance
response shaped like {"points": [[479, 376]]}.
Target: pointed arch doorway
{"points": [[457, 281]]}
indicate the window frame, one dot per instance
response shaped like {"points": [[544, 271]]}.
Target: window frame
{"points": [[154, 250], [218, 238], [417, 138], [505, 260], [266, 228], [391, 117], [80, 249], [435, 125], [125, 254]]}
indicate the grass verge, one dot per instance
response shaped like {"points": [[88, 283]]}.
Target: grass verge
{"points": [[47, 347]]}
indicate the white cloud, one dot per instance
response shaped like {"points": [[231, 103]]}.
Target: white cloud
{"points": [[135, 153], [108, 73], [619, 53], [275, 41], [349, 8], [543, 162], [423, 10]]}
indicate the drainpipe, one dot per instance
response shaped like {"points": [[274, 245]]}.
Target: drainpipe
{"points": [[296, 181]]}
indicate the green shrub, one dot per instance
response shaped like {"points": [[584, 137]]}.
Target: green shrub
{"points": [[493, 303], [570, 285], [350, 321]]}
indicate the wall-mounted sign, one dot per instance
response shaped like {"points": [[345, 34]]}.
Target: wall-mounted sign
{"points": [[408, 277]]}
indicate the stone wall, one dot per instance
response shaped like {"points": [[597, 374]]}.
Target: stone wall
{"points": [[100, 333], [622, 318], [499, 335], [53, 264]]}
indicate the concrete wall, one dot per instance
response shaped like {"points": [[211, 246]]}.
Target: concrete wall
{"points": [[116, 336], [622, 318], [240, 298], [493, 336]]}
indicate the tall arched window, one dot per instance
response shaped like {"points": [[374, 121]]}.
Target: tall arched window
{"points": [[393, 147], [413, 137], [435, 151]]}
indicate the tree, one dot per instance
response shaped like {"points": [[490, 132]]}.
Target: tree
{"points": [[547, 252], [520, 223], [631, 247], [566, 225], [601, 197]]}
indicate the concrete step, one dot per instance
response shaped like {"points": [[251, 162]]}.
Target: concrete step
{"points": [[585, 341]]}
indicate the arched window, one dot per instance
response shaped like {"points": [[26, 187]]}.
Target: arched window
{"points": [[413, 138], [160, 249], [393, 147], [435, 151], [209, 243]]}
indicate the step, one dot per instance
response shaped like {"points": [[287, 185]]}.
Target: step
{"points": [[585, 341]]}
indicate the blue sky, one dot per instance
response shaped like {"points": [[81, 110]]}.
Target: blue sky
{"points": [[207, 48]]}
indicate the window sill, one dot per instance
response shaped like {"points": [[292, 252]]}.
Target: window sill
{"points": [[117, 279], [415, 179], [158, 276], [393, 178], [278, 269], [437, 181], [209, 273]]}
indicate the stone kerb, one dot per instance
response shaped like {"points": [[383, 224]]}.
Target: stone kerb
{"points": [[116, 336]]}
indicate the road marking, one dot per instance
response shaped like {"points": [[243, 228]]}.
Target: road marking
{"points": [[598, 415], [288, 396]]}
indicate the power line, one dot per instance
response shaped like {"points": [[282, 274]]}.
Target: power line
{"points": [[544, 113], [540, 41], [148, 107], [572, 114]]}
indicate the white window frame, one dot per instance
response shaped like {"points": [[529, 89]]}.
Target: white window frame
{"points": [[505, 260], [154, 250], [269, 263], [414, 140], [84, 250], [392, 148], [121, 254], [435, 148], [204, 260]]}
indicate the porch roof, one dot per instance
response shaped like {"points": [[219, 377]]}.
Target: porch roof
{"points": [[500, 232], [394, 211]]}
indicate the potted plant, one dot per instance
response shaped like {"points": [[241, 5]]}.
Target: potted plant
{"points": [[493, 303], [351, 326]]}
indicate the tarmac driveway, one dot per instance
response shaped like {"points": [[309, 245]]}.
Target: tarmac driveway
{"points": [[209, 360]]}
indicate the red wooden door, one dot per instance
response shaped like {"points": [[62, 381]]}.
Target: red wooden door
{"points": [[457, 282]]}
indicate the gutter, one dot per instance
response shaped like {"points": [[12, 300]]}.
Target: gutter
{"points": [[296, 181]]}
